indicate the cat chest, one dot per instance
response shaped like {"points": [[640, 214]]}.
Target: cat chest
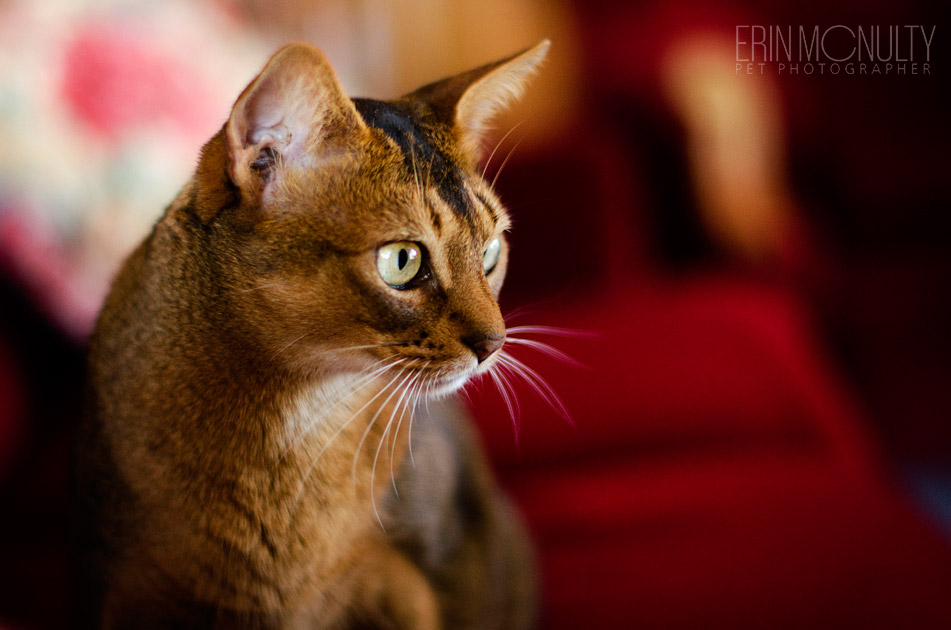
{"points": [[288, 529], [257, 545]]}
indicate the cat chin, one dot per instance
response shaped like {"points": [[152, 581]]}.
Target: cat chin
{"points": [[450, 385]]}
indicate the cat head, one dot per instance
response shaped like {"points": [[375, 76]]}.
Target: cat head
{"points": [[353, 233]]}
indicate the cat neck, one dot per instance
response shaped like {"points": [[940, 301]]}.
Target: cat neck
{"points": [[227, 406]]}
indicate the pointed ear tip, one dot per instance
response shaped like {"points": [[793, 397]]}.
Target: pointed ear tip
{"points": [[299, 50], [534, 56], [540, 50]]}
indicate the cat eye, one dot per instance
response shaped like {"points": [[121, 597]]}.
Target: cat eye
{"points": [[399, 262], [491, 256]]}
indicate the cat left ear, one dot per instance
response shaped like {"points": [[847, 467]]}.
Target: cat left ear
{"points": [[470, 100], [293, 114]]}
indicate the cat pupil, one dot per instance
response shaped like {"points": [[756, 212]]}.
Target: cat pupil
{"points": [[402, 259]]}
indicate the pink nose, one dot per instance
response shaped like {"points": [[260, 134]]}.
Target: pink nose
{"points": [[483, 345]]}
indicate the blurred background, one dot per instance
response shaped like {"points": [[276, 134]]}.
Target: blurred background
{"points": [[761, 429]]}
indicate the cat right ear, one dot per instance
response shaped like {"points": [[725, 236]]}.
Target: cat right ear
{"points": [[470, 100], [293, 115]]}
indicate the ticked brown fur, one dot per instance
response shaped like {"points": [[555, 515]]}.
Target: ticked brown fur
{"points": [[253, 380]]}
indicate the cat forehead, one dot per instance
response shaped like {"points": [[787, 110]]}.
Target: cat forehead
{"points": [[426, 149]]}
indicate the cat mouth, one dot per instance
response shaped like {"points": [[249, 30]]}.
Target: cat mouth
{"points": [[446, 382], [438, 377]]}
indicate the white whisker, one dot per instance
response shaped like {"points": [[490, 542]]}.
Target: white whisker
{"points": [[544, 348], [504, 162], [316, 458], [389, 344], [505, 377], [540, 385], [411, 403], [550, 330], [379, 448], [426, 396], [416, 175], [518, 312], [497, 145], [340, 430], [503, 390], [366, 432], [360, 384], [398, 407], [288, 345]]}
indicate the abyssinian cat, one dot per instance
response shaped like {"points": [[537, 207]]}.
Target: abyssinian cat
{"points": [[268, 440]]}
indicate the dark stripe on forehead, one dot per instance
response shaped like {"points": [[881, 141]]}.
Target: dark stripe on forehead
{"points": [[420, 153], [488, 206], [434, 217]]}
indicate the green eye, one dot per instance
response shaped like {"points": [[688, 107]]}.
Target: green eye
{"points": [[398, 263], [491, 256]]}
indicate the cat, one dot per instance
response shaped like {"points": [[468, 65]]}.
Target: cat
{"points": [[270, 440]]}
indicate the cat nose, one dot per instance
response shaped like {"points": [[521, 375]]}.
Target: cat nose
{"points": [[483, 345]]}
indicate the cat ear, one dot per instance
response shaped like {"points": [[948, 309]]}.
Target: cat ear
{"points": [[470, 100], [292, 115]]}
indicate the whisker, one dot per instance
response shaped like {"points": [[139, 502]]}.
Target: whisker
{"points": [[551, 330], [412, 400], [386, 344], [360, 384], [416, 175], [429, 386], [503, 390], [519, 311], [534, 308], [394, 437], [287, 346], [505, 377], [544, 348], [429, 389], [504, 162], [379, 448], [496, 379], [398, 407], [539, 384], [497, 145], [366, 432], [401, 405], [353, 416]]}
